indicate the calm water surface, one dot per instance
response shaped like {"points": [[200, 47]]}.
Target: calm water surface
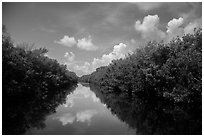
{"points": [[83, 113]]}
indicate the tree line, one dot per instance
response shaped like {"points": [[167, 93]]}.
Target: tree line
{"points": [[157, 89], [28, 70], [169, 71]]}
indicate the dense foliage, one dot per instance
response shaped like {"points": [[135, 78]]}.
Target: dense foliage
{"points": [[30, 81], [171, 71], [30, 71], [157, 89]]}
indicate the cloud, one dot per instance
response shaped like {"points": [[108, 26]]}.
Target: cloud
{"points": [[174, 28], [70, 56], [194, 11], [146, 6], [83, 43], [149, 28], [190, 27], [86, 68], [86, 44], [174, 24], [67, 41], [119, 51]]}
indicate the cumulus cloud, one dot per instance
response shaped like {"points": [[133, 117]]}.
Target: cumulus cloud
{"points": [[67, 41], [70, 56], [149, 28], [174, 28], [86, 44], [174, 24], [146, 6], [119, 51]]}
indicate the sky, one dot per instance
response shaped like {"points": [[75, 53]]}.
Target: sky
{"points": [[85, 35]]}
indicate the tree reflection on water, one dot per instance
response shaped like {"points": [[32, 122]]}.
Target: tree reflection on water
{"points": [[152, 116], [20, 113]]}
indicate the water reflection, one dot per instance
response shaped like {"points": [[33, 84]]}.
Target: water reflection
{"points": [[84, 116], [154, 116], [20, 113], [82, 113], [81, 94], [66, 118]]}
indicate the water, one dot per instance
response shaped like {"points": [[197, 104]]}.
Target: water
{"points": [[88, 109], [82, 113]]}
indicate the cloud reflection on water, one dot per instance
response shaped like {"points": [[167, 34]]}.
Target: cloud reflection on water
{"points": [[83, 116], [81, 92], [80, 116]]}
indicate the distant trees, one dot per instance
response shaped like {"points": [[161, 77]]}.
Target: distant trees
{"points": [[84, 78]]}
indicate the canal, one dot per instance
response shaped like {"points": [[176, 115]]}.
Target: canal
{"points": [[82, 113]]}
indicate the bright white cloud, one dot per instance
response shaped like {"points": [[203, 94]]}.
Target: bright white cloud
{"points": [[70, 56], [67, 41], [174, 24], [86, 44], [146, 6], [174, 28], [149, 28], [119, 51]]}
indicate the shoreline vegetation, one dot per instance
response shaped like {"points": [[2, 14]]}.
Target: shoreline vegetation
{"points": [[172, 71]]}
